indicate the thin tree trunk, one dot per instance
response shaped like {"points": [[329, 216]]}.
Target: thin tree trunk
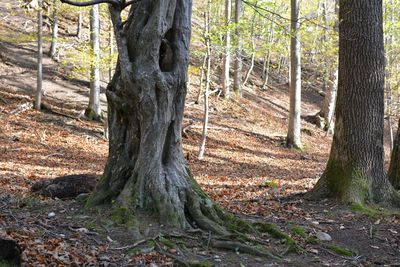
{"points": [[267, 60], [227, 52], [111, 52], [79, 26], [293, 137], [354, 172], [39, 86], [208, 77], [202, 72], [54, 32], [93, 111], [328, 108], [237, 76], [253, 51]]}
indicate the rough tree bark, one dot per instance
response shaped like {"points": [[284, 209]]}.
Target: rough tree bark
{"points": [[93, 111], [293, 136], [146, 169], [354, 172]]}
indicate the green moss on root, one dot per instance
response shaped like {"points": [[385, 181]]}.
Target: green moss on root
{"points": [[298, 230], [340, 250], [273, 230], [356, 207], [122, 215]]}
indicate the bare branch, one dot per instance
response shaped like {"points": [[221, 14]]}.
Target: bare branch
{"points": [[91, 3]]}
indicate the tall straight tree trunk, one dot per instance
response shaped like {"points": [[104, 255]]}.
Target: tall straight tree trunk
{"points": [[39, 86], [354, 172], [146, 169], [93, 111], [54, 32], [227, 53], [237, 76], [293, 136]]}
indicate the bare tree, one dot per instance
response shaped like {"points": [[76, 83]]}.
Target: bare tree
{"points": [[208, 79], [227, 53], [54, 32], [293, 136], [93, 111], [39, 86], [237, 76]]}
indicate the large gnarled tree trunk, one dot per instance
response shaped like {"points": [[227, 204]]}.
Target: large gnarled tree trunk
{"points": [[146, 169], [354, 172]]}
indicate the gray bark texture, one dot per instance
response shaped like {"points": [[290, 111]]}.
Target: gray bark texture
{"points": [[293, 136], [354, 172], [146, 169]]}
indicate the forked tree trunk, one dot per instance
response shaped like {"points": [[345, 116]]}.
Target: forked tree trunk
{"points": [[354, 172], [146, 169], [394, 168]]}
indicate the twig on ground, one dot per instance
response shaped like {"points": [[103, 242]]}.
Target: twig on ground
{"points": [[3, 100], [137, 243], [52, 155]]}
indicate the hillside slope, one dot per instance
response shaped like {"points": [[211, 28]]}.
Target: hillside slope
{"points": [[247, 169]]}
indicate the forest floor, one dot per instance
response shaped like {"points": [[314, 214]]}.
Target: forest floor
{"points": [[246, 169]]}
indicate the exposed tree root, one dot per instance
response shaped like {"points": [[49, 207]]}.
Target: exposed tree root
{"points": [[241, 247]]}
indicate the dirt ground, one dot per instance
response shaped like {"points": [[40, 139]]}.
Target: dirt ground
{"points": [[246, 170]]}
